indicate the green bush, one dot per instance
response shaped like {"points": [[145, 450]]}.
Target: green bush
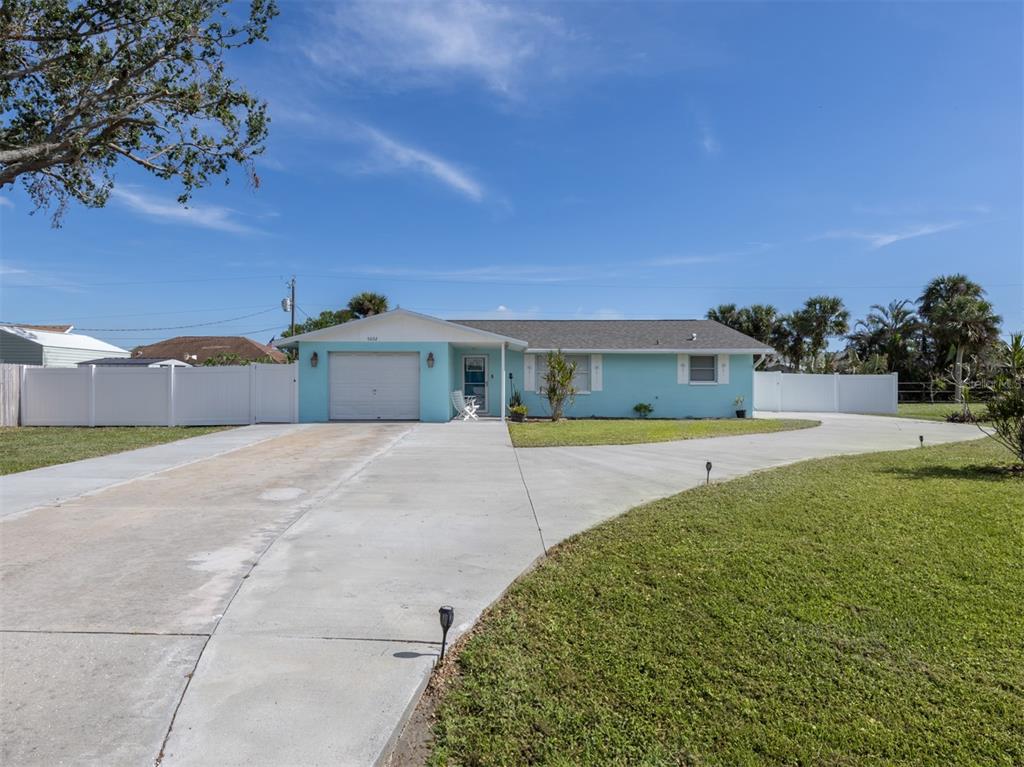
{"points": [[643, 409]]}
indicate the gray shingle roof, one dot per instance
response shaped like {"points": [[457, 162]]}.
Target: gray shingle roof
{"points": [[619, 334]]}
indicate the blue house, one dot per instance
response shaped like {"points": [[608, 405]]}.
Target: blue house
{"points": [[402, 365]]}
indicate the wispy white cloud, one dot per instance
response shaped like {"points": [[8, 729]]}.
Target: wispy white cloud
{"points": [[390, 155], [752, 248], [429, 42], [206, 217], [708, 140], [5, 202], [9, 271], [882, 239]]}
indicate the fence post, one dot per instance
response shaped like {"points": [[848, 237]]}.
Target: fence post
{"points": [[895, 392], [295, 392], [252, 392], [170, 394], [23, 396], [92, 395], [835, 392]]}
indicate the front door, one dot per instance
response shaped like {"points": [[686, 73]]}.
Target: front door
{"points": [[474, 380]]}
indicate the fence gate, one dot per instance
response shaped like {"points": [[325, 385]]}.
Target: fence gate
{"points": [[825, 393], [171, 396]]}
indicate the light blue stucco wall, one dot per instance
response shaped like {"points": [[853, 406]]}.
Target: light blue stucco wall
{"points": [[314, 391], [627, 380], [632, 378]]}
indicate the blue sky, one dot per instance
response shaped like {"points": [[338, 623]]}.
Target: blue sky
{"points": [[571, 160]]}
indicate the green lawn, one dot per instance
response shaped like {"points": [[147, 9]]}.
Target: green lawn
{"points": [[29, 447], [849, 611], [631, 432], [938, 411]]}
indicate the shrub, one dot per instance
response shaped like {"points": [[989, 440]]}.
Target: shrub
{"points": [[556, 384], [1006, 407], [643, 409], [516, 400]]}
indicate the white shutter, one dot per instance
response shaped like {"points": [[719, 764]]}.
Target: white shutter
{"points": [[529, 372], [596, 384], [682, 368], [723, 368]]}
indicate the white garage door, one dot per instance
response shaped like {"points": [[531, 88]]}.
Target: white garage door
{"points": [[375, 385]]}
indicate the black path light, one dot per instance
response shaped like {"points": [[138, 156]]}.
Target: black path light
{"points": [[708, 467], [447, 614], [921, 437]]}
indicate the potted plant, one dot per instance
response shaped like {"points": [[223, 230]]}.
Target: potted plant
{"points": [[643, 409], [740, 410], [516, 409]]}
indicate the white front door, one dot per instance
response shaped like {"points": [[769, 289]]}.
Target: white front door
{"points": [[371, 386], [474, 379]]}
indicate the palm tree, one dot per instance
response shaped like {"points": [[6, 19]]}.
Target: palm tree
{"points": [[964, 324], [367, 304], [821, 318], [787, 338], [727, 314], [759, 321], [890, 331], [940, 290]]}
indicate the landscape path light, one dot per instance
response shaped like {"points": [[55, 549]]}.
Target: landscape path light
{"points": [[447, 615], [707, 466], [921, 437]]}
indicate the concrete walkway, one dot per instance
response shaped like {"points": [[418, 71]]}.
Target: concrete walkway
{"points": [[299, 580], [52, 485]]}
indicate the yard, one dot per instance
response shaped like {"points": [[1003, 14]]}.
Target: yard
{"points": [[632, 432], [934, 411], [859, 610], [30, 447]]}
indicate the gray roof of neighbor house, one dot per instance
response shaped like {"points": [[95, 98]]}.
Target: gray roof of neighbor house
{"points": [[610, 335]]}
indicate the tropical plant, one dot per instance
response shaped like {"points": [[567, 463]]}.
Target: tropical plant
{"points": [[821, 318], [1006, 404], [964, 325], [758, 321], [891, 332], [557, 383], [367, 304], [91, 83], [518, 412], [727, 314], [233, 358], [788, 339], [944, 288], [643, 409], [516, 399]]}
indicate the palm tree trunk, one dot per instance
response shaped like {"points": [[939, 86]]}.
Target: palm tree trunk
{"points": [[958, 374]]}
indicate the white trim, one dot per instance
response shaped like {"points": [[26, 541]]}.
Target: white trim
{"points": [[504, 374], [529, 372], [327, 333], [723, 362], [655, 350], [596, 376]]}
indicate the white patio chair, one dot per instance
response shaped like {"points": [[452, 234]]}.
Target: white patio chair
{"points": [[466, 406]]}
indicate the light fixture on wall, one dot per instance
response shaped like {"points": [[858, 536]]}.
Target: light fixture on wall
{"points": [[430, 360], [314, 358]]}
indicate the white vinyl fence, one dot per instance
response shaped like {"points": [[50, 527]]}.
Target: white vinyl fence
{"points": [[825, 393], [171, 396]]}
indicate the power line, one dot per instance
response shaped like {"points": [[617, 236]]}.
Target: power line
{"points": [[180, 327]]}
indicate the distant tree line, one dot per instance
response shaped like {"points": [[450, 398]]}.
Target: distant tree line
{"points": [[948, 335]]}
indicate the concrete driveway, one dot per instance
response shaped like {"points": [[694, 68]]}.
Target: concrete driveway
{"points": [[277, 605]]}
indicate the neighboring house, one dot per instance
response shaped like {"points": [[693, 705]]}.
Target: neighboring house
{"points": [[403, 366], [195, 350], [134, 362], [27, 345]]}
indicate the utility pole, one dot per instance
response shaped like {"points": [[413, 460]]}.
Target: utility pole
{"points": [[288, 304], [293, 305]]}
